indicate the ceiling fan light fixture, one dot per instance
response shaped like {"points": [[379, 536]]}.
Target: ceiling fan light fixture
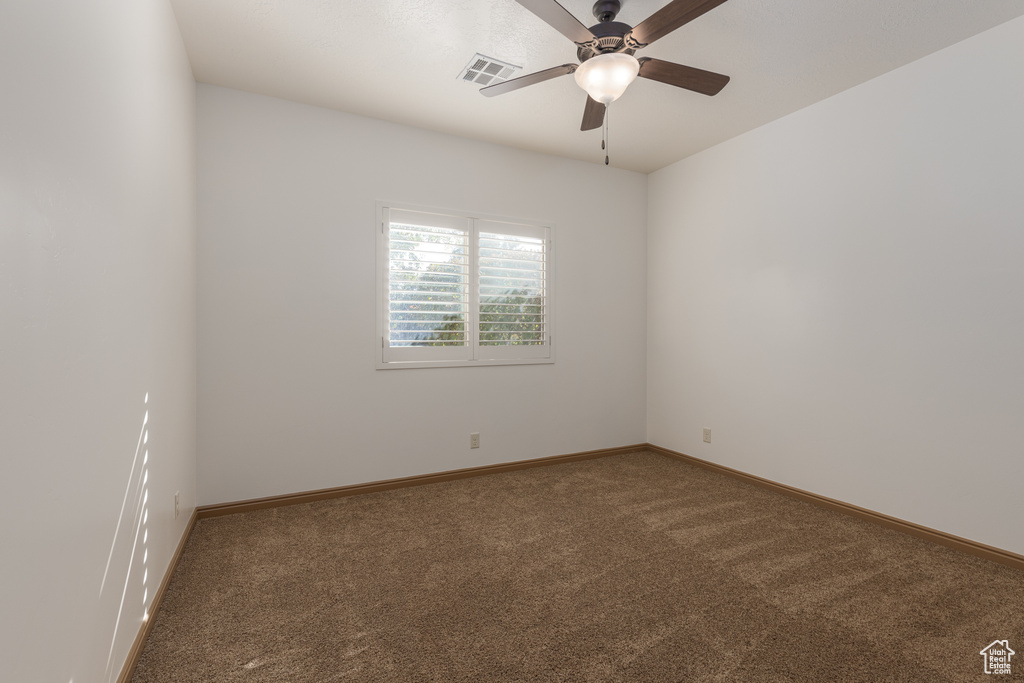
{"points": [[606, 76]]}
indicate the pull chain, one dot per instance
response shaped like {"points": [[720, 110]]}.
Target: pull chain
{"points": [[604, 141]]}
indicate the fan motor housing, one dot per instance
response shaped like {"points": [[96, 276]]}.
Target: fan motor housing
{"points": [[609, 35]]}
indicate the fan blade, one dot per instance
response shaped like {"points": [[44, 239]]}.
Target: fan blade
{"points": [[593, 114], [669, 18], [560, 19], [691, 78], [529, 79]]}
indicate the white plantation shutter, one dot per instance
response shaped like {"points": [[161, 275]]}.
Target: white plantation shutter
{"points": [[513, 282], [457, 290], [428, 286]]}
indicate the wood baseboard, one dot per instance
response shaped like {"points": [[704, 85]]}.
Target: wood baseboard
{"points": [[934, 535], [128, 670], [219, 509]]}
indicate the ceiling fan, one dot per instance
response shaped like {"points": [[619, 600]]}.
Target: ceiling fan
{"points": [[607, 65]]}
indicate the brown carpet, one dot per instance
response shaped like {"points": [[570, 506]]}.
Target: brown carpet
{"points": [[627, 568]]}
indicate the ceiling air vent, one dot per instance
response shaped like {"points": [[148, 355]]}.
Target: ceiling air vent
{"points": [[484, 70]]}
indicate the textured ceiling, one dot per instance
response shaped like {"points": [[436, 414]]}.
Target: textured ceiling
{"points": [[398, 60]]}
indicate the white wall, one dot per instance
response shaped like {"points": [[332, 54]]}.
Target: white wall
{"points": [[840, 295], [289, 399], [97, 308]]}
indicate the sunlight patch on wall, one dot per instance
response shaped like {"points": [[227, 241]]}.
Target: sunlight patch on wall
{"points": [[134, 519]]}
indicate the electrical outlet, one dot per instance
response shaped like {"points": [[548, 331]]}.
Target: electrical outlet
{"points": [[474, 440], [177, 501], [707, 435]]}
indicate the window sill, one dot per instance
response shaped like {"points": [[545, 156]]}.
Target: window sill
{"points": [[403, 365]]}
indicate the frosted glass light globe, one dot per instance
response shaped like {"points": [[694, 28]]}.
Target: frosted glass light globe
{"points": [[606, 76]]}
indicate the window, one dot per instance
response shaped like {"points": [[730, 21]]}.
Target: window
{"points": [[462, 290]]}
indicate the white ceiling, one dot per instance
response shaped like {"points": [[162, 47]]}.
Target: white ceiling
{"points": [[399, 60]]}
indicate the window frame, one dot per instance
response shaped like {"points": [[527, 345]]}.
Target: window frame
{"points": [[473, 354]]}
